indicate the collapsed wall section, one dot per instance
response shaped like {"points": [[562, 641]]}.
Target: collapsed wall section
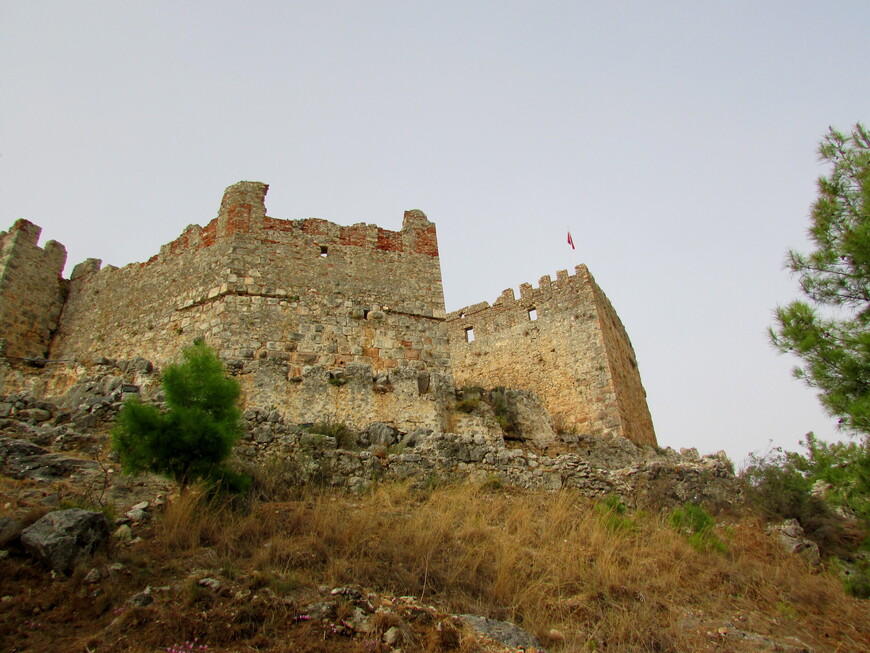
{"points": [[31, 290], [562, 341]]}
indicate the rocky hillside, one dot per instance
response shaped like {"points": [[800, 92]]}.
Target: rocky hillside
{"points": [[381, 540]]}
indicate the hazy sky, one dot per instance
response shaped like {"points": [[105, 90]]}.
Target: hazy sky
{"points": [[676, 140]]}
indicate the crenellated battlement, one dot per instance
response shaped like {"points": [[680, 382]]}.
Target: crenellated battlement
{"points": [[528, 292], [242, 216]]}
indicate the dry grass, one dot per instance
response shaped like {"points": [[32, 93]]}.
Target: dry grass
{"points": [[553, 563], [545, 561]]}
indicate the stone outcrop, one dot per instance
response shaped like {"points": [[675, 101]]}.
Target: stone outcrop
{"points": [[65, 537], [791, 538], [503, 632]]}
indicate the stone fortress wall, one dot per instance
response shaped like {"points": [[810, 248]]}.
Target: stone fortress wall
{"points": [[564, 342], [308, 292], [327, 322], [31, 290]]}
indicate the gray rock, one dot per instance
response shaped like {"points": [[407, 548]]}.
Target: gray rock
{"points": [[790, 536], [382, 384], [503, 632], [264, 435], [137, 514], [142, 599], [64, 537], [393, 636], [123, 533], [322, 610], [382, 434], [22, 459], [210, 583], [414, 438], [85, 420], [93, 576], [10, 530], [142, 365], [35, 414]]}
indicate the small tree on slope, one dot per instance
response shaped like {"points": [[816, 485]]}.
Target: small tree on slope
{"points": [[831, 332], [191, 439]]}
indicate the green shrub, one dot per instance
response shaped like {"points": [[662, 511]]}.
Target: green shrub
{"points": [[613, 514], [468, 405], [345, 437], [697, 526], [191, 439], [492, 483], [781, 483], [504, 411], [470, 399]]}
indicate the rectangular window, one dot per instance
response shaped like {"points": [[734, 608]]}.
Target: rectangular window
{"points": [[323, 251], [533, 314], [469, 334]]}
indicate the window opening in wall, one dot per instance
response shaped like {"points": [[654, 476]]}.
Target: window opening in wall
{"points": [[365, 313], [323, 251], [469, 334], [533, 314]]}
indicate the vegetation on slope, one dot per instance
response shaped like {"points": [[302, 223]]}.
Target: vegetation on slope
{"points": [[578, 575]]}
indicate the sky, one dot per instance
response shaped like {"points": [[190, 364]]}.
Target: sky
{"points": [[677, 141]]}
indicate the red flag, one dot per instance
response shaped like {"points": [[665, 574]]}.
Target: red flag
{"points": [[571, 241]]}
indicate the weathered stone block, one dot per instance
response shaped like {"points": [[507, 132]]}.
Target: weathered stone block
{"points": [[65, 537]]}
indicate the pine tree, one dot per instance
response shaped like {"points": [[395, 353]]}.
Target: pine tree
{"points": [[831, 331], [191, 439]]}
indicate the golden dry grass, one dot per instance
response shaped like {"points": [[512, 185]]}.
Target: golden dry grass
{"points": [[571, 574], [578, 576]]}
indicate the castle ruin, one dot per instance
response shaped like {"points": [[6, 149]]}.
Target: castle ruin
{"points": [[326, 322]]}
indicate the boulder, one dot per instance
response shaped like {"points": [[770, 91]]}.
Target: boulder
{"points": [[34, 414], [10, 530], [382, 434], [64, 537], [790, 536], [416, 437], [503, 632]]}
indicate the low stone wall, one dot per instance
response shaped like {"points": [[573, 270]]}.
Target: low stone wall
{"points": [[77, 421], [639, 475]]}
